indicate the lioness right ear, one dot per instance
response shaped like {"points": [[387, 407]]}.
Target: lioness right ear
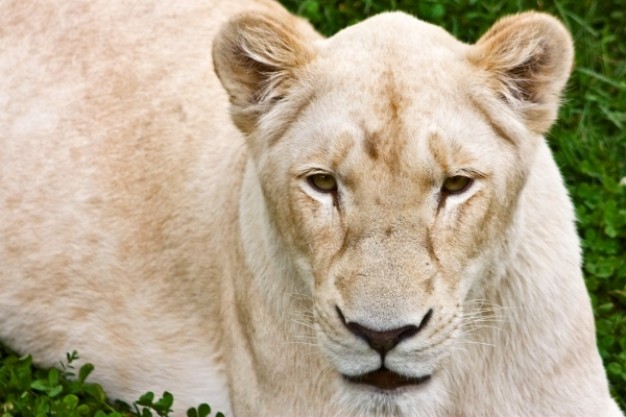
{"points": [[528, 57], [257, 57]]}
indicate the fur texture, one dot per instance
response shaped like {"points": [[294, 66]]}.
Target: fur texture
{"points": [[179, 247]]}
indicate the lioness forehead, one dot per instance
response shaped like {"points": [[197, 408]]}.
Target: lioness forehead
{"points": [[396, 89], [395, 43], [395, 32], [393, 91]]}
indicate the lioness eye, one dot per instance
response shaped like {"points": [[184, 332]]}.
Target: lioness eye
{"points": [[456, 184], [323, 183]]}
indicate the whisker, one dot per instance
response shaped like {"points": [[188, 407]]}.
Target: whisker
{"points": [[470, 342], [296, 342], [474, 328], [303, 323], [299, 295], [302, 316], [480, 321]]}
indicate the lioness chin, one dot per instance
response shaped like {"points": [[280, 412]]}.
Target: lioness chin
{"points": [[373, 226]]}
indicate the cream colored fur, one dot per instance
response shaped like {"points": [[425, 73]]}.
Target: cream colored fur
{"points": [[178, 252]]}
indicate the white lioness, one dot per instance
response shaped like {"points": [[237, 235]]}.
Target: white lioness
{"points": [[376, 229]]}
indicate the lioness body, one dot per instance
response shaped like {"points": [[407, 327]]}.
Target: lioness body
{"points": [[142, 228]]}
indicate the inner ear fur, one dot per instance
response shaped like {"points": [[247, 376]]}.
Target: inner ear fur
{"points": [[528, 58], [257, 57]]}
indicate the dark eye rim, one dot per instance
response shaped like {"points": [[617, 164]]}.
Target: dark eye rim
{"points": [[311, 182], [445, 191]]}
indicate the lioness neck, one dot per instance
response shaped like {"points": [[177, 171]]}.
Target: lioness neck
{"points": [[271, 340], [534, 323]]}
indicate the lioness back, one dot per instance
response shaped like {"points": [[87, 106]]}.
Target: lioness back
{"points": [[114, 130], [208, 198]]}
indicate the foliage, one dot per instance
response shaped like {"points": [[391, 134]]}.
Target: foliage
{"points": [[589, 140], [27, 391]]}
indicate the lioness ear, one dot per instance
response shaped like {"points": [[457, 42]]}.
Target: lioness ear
{"points": [[529, 56], [257, 57]]}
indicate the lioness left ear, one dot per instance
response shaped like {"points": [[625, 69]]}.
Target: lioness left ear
{"points": [[256, 57], [530, 57]]}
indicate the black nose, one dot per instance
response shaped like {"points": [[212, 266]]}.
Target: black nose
{"points": [[385, 340]]}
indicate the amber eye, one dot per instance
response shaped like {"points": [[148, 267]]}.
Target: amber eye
{"points": [[456, 184], [323, 183]]}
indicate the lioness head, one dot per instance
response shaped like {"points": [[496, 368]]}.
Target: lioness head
{"points": [[391, 158]]}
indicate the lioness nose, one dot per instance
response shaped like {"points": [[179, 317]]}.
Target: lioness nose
{"points": [[383, 341]]}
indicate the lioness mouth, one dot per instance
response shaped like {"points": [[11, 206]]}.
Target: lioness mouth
{"points": [[385, 379]]}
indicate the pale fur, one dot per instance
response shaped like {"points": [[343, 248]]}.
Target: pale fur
{"points": [[176, 252]]}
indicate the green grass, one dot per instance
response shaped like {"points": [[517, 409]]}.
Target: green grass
{"points": [[589, 143], [26, 391]]}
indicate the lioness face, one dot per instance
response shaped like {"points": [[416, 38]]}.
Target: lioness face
{"points": [[391, 161], [392, 199]]}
